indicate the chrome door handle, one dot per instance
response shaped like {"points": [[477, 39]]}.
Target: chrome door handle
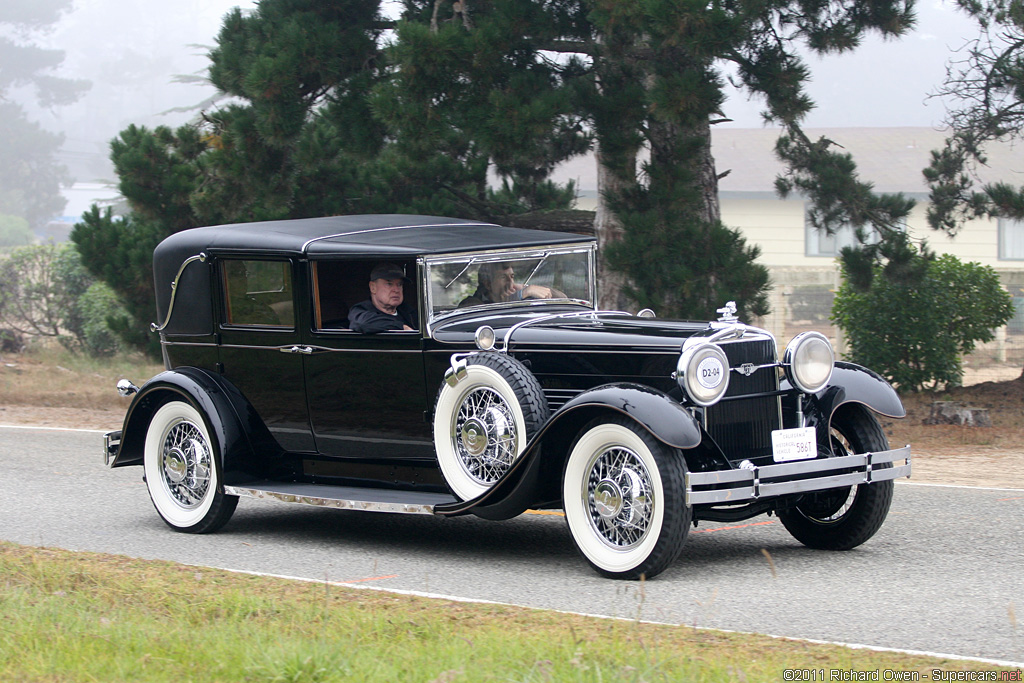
{"points": [[305, 350]]}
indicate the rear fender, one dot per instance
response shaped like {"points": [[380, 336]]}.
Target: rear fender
{"points": [[232, 422], [536, 477]]}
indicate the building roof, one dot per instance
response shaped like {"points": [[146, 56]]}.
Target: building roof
{"points": [[890, 158]]}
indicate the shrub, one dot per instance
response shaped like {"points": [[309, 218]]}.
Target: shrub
{"points": [[915, 330], [14, 231], [46, 292]]}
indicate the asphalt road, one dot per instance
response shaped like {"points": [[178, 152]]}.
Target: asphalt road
{"points": [[945, 574]]}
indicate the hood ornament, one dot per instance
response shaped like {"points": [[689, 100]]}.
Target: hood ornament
{"points": [[727, 314]]}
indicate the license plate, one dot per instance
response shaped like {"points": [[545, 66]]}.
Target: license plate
{"points": [[794, 444]]}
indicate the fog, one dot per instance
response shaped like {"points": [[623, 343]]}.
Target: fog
{"points": [[133, 51]]}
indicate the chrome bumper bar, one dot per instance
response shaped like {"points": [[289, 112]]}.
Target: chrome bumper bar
{"points": [[802, 476], [111, 442]]}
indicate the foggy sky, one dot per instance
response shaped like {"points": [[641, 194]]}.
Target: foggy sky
{"points": [[131, 52]]}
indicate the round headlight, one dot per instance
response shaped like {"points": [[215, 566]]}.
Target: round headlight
{"points": [[809, 360], [485, 338], [703, 373]]}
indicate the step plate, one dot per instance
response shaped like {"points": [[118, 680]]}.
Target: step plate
{"points": [[344, 497]]}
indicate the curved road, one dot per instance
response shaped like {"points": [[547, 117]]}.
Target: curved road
{"points": [[945, 574]]}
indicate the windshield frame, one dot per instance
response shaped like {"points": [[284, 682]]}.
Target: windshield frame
{"points": [[499, 255]]}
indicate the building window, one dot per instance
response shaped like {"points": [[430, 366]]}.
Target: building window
{"points": [[818, 243], [1011, 240]]}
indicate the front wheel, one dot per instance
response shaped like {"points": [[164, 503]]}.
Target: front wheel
{"points": [[181, 471], [623, 496], [844, 518]]}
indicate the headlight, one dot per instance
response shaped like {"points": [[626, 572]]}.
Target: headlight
{"points": [[484, 338], [808, 361], [703, 373]]}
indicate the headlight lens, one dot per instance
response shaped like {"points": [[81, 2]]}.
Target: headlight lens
{"points": [[703, 373], [485, 338], [809, 360]]}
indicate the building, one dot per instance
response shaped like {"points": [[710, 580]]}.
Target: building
{"points": [[802, 261]]}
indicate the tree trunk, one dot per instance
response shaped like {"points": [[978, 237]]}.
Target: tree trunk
{"points": [[609, 229]]}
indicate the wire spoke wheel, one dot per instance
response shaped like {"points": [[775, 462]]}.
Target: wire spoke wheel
{"points": [[186, 463], [180, 461], [484, 436], [483, 419], [624, 499], [620, 496]]}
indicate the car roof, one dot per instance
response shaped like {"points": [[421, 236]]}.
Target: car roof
{"points": [[393, 234]]}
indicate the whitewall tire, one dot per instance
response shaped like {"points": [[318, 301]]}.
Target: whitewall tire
{"points": [[483, 422], [622, 492], [182, 473]]}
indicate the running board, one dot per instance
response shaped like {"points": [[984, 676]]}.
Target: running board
{"points": [[344, 497]]}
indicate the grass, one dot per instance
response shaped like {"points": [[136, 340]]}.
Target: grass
{"points": [[88, 617], [55, 377]]}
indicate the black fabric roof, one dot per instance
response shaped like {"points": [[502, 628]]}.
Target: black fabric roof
{"points": [[399, 235]]}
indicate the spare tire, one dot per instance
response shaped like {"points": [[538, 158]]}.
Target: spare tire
{"points": [[483, 420]]}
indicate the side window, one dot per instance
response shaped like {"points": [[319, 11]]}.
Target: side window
{"points": [[258, 293], [338, 286]]}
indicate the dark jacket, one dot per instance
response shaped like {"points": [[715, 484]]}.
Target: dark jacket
{"points": [[366, 318]]}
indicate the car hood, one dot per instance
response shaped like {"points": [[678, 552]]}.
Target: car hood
{"points": [[571, 328]]}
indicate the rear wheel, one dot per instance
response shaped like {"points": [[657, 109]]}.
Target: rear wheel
{"points": [[182, 473], [623, 496], [844, 518]]}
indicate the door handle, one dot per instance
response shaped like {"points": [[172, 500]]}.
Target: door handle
{"points": [[305, 350]]}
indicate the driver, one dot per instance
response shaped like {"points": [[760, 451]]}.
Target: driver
{"points": [[497, 282]]}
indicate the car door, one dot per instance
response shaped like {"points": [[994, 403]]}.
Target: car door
{"points": [[366, 391], [260, 350]]}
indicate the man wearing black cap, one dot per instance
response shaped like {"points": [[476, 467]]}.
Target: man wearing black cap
{"points": [[384, 309]]}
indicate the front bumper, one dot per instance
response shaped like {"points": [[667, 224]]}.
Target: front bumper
{"points": [[803, 476]]}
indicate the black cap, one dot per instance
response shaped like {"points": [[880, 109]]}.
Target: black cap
{"points": [[387, 271]]}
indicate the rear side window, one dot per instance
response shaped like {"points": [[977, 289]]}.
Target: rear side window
{"points": [[258, 293]]}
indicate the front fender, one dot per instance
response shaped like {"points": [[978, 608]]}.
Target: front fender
{"points": [[852, 383], [231, 420], [536, 476]]}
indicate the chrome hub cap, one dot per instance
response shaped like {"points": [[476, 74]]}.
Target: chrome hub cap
{"points": [[484, 436], [474, 436], [620, 497], [186, 464], [608, 499], [175, 466]]}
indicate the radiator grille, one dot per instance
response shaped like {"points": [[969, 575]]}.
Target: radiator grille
{"points": [[743, 428]]}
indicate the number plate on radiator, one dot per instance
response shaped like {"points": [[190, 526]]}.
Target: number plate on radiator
{"points": [[794, 444]]}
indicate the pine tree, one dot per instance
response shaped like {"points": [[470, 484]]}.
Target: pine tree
{"points": [[31, 177]]}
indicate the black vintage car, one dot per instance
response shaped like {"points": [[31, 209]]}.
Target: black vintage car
{"points": [[513, 393]]}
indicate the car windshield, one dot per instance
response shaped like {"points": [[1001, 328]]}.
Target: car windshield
{"points": [[531, 276]]}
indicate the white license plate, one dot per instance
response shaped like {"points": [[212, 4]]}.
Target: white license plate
{"points": [[794, 444]]}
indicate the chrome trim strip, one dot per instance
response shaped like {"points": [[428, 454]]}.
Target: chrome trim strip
{"points": [[201, 257], [393, 227], [759, 482], [507, 339], [338, 503]]}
